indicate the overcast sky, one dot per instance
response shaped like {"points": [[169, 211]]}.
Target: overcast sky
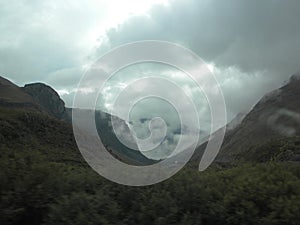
{"points": [[251, 46]]}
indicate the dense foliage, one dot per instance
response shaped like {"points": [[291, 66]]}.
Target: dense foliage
{"points": [[44, 181], [34, 191]]}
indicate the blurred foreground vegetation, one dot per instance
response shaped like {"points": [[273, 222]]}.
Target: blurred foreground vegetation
{"points": [[45, 181], [34, 191]]}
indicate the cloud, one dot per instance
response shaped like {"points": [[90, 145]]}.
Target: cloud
{"points": [[141, 79], [253, 45], [39, 38], [252, 35]]}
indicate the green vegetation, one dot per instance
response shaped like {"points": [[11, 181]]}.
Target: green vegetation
{"points": [[45, 181], [34, 191], [277, 150]]}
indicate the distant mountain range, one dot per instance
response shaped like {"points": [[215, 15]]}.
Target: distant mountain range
{"points": [[36, 115]]}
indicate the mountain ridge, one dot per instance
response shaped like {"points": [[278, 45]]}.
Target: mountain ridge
{"points": [[271, 127], [275, 118], [38, 100]]}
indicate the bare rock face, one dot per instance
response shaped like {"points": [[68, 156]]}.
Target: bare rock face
{"points": [[48, 98]]}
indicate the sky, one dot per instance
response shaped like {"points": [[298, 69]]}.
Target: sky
{"points": [[252, 47]]}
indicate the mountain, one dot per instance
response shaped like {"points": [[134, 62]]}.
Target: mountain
{"points": [[36, 116], [48, 98], [270, 131], [44, 179], [13, 96], [236, 121], [275, 118]]}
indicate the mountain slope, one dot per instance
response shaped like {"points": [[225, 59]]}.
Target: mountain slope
{"points": [[269, 132], [23, 130], [35, 116], [13, 96], [48, 98], [44, 180], [275, 118]]}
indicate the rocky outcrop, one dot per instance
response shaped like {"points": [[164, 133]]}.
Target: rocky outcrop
{"points": [[48, 98]]}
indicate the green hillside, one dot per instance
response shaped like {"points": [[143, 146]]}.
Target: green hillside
{"points": [[44, 180]]}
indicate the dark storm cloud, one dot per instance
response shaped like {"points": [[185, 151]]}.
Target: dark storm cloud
{"points": [[255, 45], [252, 35]]}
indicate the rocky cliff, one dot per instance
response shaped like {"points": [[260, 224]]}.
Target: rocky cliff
{"points": [[48, 98]]}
